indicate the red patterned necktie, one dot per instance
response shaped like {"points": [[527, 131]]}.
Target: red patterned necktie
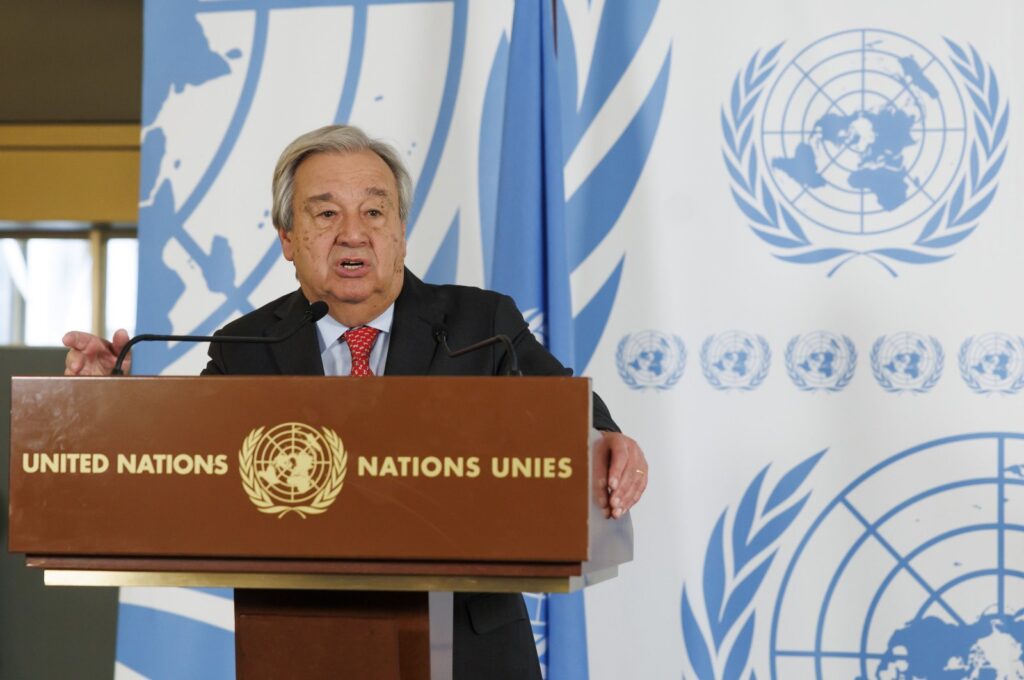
{"points": [[360, 344]]}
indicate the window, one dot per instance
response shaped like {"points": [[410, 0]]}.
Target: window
{"points": [[61, 276]]}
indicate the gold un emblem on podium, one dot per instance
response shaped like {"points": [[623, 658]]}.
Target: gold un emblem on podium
{"points": [[292, 467]]}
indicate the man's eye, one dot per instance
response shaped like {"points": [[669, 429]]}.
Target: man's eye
{"points": [[373, 212], [328, 213]]}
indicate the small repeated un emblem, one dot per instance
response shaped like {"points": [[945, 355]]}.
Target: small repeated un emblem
{"points": [[866, 145], [993, 363], [651, 359], [907, 362], [735, 360], [821, 361]]}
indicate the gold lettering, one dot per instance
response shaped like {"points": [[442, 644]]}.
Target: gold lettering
{"points": [[414, 466], [30, 462], [204, 465], [221, 464], [389, 468], [367, 466], [431, 466], [455, 467], [145, 464], [50, 462], [521, 467], [66, 463], [101, 463], [533, 467], [183, 464], [125, 464]]}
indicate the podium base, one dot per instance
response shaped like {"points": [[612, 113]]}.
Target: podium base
{"points": [[332, 634]]}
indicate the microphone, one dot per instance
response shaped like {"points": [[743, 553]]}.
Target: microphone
{"points": [[441, 338], [316, 311]]}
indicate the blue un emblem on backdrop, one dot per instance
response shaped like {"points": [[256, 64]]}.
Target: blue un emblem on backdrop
{"points": [[651, 359], [865, 145], [735, 360], [907, 362], [993, 363], [821, 361], [911, 571]]}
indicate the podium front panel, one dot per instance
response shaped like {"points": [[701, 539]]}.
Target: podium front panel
{"points": [[414, 468]]}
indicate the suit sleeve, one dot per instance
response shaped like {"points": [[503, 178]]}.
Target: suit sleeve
{"points": [[535, 359], [215, 366]]}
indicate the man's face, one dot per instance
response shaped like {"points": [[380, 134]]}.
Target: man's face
{"points": [[347, 240]]}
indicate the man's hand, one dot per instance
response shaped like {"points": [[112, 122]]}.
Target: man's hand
{"points": [[620, 473], [92, 355]]}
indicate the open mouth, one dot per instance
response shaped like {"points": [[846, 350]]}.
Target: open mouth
{"points": [[352, 265]]}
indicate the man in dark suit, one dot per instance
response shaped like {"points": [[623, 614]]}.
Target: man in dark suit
{"points": [[341, 201]]}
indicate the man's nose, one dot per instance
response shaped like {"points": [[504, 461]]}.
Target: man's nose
{"points": [[352, 232]]}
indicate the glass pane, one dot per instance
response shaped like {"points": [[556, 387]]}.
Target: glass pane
{"points": [[12, 277], [122, 284], [59, 295]]}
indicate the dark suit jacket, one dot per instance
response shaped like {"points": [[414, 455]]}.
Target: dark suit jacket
{"points": [[493, 638]]}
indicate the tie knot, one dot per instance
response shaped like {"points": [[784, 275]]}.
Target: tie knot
{"points": [[360, 343]]}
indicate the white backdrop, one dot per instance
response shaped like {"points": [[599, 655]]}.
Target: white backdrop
{"points": [[698, 270], [860, 305]]}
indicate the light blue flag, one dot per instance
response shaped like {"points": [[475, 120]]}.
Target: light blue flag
{"points": [[531, 262], [530, 257]]}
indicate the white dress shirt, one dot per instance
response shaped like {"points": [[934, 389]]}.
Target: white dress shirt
{"points": [[334, 353]]}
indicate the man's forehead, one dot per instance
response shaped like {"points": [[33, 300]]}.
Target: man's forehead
{"points": [[329, 174], [327, 196]]}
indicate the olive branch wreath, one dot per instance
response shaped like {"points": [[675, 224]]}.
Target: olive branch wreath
{"points": [[265, 503], [950, 223], [719, 639]]}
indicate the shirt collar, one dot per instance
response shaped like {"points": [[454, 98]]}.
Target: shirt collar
{"points": [[329, 330]]}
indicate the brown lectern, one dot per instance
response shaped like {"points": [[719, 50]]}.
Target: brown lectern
{"points": [[332, 505]]}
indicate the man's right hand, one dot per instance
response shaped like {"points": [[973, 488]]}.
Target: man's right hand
{"points": [[92, 355]]}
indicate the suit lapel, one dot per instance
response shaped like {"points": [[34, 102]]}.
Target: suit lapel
{"points": [[299, 354], [412, 346]]}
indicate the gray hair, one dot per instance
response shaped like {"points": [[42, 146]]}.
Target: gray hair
{"points": [[338, 139]]}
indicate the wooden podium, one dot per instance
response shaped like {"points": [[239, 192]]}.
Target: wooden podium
{"points": [[332, 505]]}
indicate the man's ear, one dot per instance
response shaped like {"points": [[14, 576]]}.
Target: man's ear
{"points": [[287, 246]]}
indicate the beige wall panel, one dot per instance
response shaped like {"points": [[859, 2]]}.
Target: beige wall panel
{"points": [[69, 135], [93, 186]]}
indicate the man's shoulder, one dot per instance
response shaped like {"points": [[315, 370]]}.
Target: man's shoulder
{"points": [[451, 298], [451, 291], [256, 321]]}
